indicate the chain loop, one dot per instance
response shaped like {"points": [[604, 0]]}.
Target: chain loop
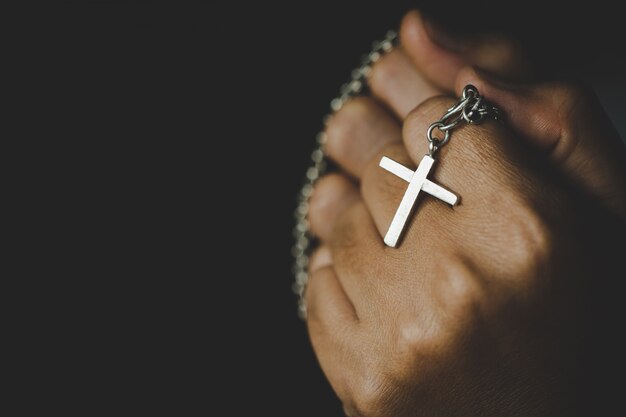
{"points": [[435, 143], [471, 109]]}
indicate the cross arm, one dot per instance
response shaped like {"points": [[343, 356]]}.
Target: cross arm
{"points": [[396, 168], [428, 186]]}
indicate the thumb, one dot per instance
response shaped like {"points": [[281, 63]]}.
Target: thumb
{"points": [[439, 53], [567, 122]]}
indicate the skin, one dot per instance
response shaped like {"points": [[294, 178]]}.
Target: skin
{"points": [[495, 307]]}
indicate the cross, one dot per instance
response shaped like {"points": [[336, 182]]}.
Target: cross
{"points": [[417, 181]]}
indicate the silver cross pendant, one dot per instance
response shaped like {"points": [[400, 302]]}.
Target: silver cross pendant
{"points": [[417, 182]]}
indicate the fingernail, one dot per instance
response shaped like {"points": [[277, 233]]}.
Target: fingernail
{"points": [[321, 258], [443, 37]]}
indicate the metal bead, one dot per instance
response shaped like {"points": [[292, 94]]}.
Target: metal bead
{"points": [[302, 310], [312, 173], [303, 261], [303, 208], [307, 190], [296, 233], [302, 227], [336, 104], [297, 252], [356, 86], [302, 277], [317, 155], [302, 197]]}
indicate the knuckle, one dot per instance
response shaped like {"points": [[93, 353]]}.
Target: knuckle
{"points": [[416, 341], [349, 411], [572, 99], [572, 90], [343, 127], [424, 115], [417, 338], [577, 110], [461, 294], [369, 396], [533, 241], [530, 241], [458, 300]]}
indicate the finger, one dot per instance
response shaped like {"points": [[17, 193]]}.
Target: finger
{"points": [[403, 78], [327, 303], [439, 55], [332, 323], [357, 131], [396, 82], [357, 251], [568, 123], [332, 194]]}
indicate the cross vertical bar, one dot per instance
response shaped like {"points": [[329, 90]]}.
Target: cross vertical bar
{"points": [[408, 202]]}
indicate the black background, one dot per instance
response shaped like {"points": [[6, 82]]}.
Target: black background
{"points": [[172, 116]]}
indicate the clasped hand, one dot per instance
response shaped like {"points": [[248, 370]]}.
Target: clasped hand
{"points": [[485, 308]]}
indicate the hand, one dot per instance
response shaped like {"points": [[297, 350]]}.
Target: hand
{"points": [[485, 309]]}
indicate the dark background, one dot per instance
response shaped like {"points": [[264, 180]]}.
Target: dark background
{"points": [[173, 116]]}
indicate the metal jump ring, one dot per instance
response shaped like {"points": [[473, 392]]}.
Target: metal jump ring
{"points": [[438, 142], [432, 148], [472, 108], [473, 116], [470, 89]]}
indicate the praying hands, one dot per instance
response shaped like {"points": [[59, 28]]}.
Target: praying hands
{"points": [[481, 303]]}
